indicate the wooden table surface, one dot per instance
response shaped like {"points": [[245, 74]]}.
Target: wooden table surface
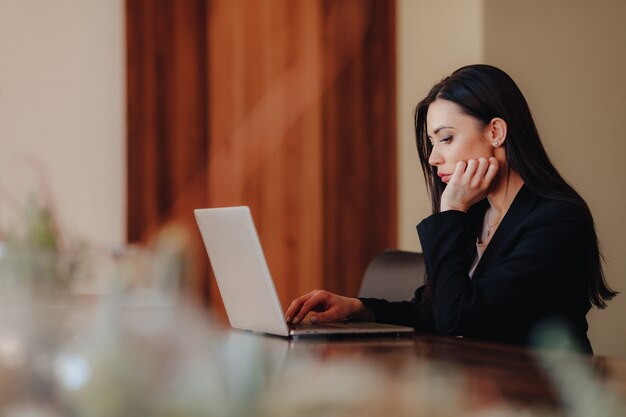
{"points": [[493, 373], [291, 377]]}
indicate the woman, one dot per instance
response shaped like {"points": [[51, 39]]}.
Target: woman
{"points": [[510, 244]]}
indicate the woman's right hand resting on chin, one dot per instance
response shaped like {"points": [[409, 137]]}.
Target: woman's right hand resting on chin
{"points": [[327, 307], [470, 183]]}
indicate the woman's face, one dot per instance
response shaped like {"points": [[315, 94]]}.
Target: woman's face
{"points": [[455, 137]]}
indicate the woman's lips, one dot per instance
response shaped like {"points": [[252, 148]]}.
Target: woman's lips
{"points": [[444, 177]]}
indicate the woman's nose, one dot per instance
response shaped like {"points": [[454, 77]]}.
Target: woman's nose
{"points": [[435, 157]]}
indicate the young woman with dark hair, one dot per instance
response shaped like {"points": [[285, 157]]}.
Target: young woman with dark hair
{"points": [[509, 245]]}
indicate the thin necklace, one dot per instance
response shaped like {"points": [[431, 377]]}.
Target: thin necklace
{"points": [[490, 227]]}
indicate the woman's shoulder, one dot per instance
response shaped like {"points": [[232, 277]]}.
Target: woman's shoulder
{"points": [[557, 208]]}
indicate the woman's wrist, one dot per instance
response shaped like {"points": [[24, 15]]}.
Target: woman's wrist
{"points": [[447, 205], [360, 312]]}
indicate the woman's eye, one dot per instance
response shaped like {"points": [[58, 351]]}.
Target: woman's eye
{"points": [[446, 140]]}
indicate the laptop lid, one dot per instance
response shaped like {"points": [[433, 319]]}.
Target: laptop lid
{"points": [[245, 282], [242, 274]]}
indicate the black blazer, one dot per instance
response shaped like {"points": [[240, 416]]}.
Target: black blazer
{"points": [[536, 268]]}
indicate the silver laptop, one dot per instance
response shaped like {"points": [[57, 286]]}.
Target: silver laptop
{"points": [[246, 285]]}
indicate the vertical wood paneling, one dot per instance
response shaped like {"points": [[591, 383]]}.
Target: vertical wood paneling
{"points": [[285, 106], [167, 117], [265, 135], [359, 138]]}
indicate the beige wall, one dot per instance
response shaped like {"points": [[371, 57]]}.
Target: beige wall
{"points": [[569, 59], [62, 112], [433, 38]]}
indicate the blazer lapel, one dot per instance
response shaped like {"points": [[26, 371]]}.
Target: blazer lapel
{"points": [[522, 204]]}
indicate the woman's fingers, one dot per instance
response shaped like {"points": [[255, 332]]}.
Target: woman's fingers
{"points": [[329, 307], [492, 170], [459, 170], [481, 169], [329, 315], [470, 170], [469, 184], [296, 306], [313, 303], [300, 307], [337, 308]]}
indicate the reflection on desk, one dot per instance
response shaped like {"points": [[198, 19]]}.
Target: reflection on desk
{"points": [[148, 354], [432, 375]]}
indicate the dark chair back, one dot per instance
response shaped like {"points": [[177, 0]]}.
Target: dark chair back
{"points": [[393, 275]]}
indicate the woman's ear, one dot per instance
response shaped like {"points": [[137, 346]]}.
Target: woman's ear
{"points": [[496, 131]]}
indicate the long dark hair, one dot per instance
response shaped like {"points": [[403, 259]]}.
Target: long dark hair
{"points": [[485, 92]]}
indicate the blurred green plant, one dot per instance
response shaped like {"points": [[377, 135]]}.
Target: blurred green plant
{"points": [[36, 256]]}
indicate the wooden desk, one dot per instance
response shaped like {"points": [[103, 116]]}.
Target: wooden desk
{"points": [[492, 375], [169, 361]]}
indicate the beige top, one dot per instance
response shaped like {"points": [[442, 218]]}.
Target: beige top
{"points": [[480, 249], [481, 246]]}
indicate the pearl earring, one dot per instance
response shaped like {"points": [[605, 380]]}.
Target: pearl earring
{"points": [[495, 143]]}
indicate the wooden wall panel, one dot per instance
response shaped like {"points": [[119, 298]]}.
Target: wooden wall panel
{"points": [[359, 139], [266, 129], [286, 106], [167, 118]]}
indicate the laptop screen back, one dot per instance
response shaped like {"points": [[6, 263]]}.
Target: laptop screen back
{"points": [[240, 269]]}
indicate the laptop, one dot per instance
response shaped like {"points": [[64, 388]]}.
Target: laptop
{"points": [[246, 285]]}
